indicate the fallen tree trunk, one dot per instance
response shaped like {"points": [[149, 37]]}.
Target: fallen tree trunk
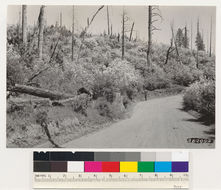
{"points": [[39, 92], [19, 104], [29, 101]]}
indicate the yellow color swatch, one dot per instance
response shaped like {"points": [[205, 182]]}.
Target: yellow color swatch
{"points": [[128, 166]]}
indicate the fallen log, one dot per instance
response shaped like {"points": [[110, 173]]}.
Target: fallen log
{"points": [[39, 92], [47, 101], [29, 101], [78, 103], [20, 103]]}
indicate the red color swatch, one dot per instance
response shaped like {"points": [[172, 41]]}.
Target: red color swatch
{"points": [[110, 166]]}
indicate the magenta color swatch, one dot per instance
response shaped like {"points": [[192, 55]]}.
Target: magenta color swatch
{"points": [[92, 166]]}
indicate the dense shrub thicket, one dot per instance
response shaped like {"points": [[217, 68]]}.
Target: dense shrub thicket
{"points": [[100, 58], [200, 97], [98, 68]]}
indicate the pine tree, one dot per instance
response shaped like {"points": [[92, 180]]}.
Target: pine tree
{"points": [[179, 37], [185, 38], [199, 40]]}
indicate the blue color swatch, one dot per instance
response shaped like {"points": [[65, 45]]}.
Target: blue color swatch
{"points": [[163, 166]]}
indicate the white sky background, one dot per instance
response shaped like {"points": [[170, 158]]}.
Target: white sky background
{"points": [[180, 14]]}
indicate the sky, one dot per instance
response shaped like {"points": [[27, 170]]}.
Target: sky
{"points": [[179, 15]]}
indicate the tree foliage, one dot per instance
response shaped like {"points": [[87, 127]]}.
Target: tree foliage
{"points": [[182, 39], [199, 42]]}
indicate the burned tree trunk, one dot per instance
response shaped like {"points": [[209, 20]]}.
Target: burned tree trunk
{"points": [[210, 42], [19, 23], [123, 33], [149, 47], [24, 24], [175, 43], [197, 46], [73, 40], [170, 50], [131, 31], [83, 33], [61, 20], [108, 22], [191, 36], [41, 30], [111, 30], [88, 21], [185, 41]]}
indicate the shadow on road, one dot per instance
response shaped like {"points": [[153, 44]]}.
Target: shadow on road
{"points": [[204, 120], [207, 121], [200, 120], [210, 132]]}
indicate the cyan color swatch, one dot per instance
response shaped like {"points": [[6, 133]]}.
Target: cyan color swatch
{"points": [[163, 167]]}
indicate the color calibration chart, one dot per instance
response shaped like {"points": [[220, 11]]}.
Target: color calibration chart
{"points": [[159, 170]]}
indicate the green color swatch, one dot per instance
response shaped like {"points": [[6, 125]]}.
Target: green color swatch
{"points": [[145, 166]]}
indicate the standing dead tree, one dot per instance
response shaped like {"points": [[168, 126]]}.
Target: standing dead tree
{"points": [[131, 31], [175, 43], [111, 30], [83, 33], [108, 22], [61, 19], [153, 16], [197, 46], [118, 37], [185, 38], [169, 50], [48, 64], [149, 47], [207, 43], [41, 31], [123, 33], [88, 21], [172, 44], [19, 23], [125, 19], [73, 40], [210, 41], [24, 24], [191, 36]]}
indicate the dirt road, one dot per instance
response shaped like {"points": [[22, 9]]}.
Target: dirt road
{"points": [[157, 123]]}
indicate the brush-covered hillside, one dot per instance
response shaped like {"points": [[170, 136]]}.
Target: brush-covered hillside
{"points": [[97, 85]]}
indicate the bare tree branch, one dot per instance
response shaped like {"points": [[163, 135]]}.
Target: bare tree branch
{"points": [[46, 68], [154, 28], [173, 37], [157, 15], [131, 31], [154, 21], [86, 29]]}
